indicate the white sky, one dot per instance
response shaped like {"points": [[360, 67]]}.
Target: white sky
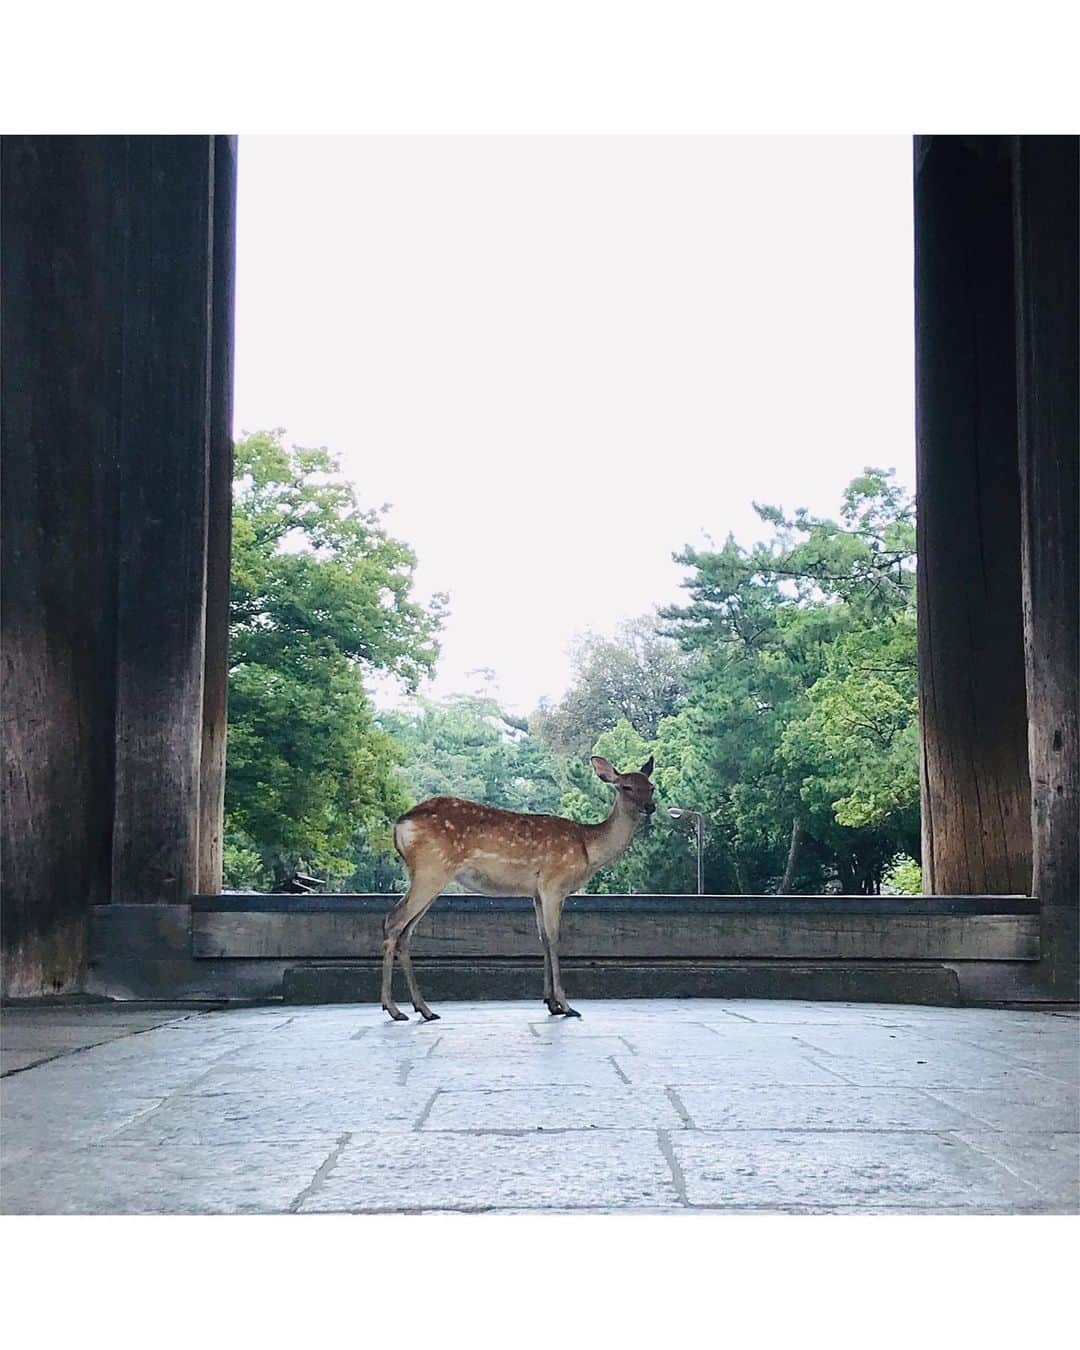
{"points": [[563, 358]]}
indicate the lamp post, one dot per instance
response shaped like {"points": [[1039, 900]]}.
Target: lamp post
{"points": [[676, 813]]}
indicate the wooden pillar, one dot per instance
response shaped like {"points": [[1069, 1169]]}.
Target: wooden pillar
{"points": [[1047, 210], [168, 186], [219, 522], [975, 787], [59, 426], [117, 272]]}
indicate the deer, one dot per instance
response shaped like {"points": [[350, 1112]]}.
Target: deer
{"points": [[491, 851]]}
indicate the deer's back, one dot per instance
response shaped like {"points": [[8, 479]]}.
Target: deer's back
{"points": [[505, 849]]}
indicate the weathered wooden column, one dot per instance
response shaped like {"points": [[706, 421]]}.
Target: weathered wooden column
{"points": [[59, 427], [168, 187], [219, 521], [975, 787], [1047, 227], [117, 282]]}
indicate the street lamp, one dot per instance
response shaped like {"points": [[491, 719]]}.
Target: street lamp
{"points": [[676, 813]]}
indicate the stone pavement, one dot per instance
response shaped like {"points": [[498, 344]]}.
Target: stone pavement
{"points": [[32, 1034], [673, 1106]]}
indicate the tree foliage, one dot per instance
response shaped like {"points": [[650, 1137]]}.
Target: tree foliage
{"points": [[803, 704], [469, 747], [321, 595], [779, 699], [638, 677]]}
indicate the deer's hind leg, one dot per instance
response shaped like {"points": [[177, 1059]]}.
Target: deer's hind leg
{"points": [[551, 903], [424, 886], [549, 998]]}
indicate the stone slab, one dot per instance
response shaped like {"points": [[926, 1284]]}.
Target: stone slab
{"points": [[870, 981], [786, 1012], [517, 1075], [637, 928], [74, 1084], [1020, 1049], [27, 1124], [33, 1035], [477, 1040], [748, 1070], [834, 1172], [110, 1016], [678, 1039], [558, 1108], [520, 1071], [12, 1061], [607, 1170], [1024, 1108], [247, 1178], [1048, 1162], [948, 1067], [572, 1037], [724, 1106], [1061, 1065], [212, 1118], [57, 1039]]}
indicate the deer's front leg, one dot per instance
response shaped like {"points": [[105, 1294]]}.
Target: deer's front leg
{"points": [[551, 903], [405, 960]]}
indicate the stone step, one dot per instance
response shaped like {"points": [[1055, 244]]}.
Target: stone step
{"points": [[856, 981]]}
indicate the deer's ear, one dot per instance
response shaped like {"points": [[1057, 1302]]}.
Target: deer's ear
{"points": [[604, 769], [647, 767]]}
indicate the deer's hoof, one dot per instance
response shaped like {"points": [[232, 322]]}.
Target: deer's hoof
{"points": [[570, 1012], [428, 1015], [395, 1013], [554, 1009]]}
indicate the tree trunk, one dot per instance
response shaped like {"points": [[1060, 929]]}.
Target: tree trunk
{"points": [[792, 858]]}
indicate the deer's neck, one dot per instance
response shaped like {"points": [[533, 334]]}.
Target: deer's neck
{"points": [[610, 839]]}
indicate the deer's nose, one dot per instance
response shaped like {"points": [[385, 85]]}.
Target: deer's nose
{"points": [[650, 808]]}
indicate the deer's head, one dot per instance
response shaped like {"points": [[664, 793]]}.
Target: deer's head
{"points": [[633, 790]]}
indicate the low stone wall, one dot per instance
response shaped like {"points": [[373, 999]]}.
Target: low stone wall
{"points": [[327, 948]]}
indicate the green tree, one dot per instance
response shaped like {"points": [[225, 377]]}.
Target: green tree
{"points": [[321, 595], [801, 706], [780, 700], [903, 876], [857, 750], [660, 860], [637, 676], [470, 747]]}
